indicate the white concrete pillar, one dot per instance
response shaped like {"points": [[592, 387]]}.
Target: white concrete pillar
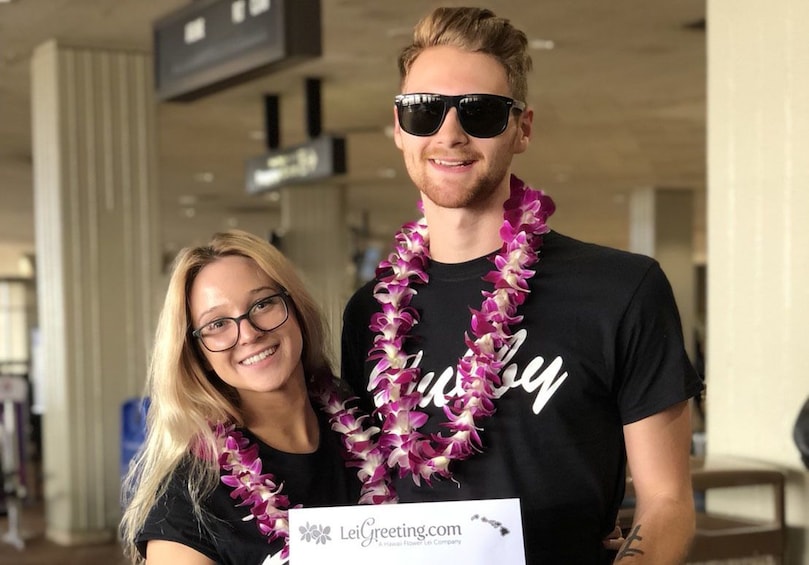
{"points": [[315, 238], [97, 266], [758, 239]]}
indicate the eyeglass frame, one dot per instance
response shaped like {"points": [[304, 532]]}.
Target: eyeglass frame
{"points": [[453, 101], [282, 293]]}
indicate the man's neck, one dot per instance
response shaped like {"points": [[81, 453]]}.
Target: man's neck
{"points": [[463, 234]]}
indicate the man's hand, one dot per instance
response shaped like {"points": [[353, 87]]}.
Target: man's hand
{"points": [[615, 539]]}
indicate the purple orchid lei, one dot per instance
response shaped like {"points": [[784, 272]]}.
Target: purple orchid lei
{"points": [[394, 383], [262, 493], [400, 443]]}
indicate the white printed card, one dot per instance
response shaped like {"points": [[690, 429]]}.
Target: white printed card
{"points": [[472, 532]]}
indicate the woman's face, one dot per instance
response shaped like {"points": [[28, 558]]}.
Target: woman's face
{"points": [[261, 362]]}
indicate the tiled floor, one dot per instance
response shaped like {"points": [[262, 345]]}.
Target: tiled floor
{"points": [[40, 551]]}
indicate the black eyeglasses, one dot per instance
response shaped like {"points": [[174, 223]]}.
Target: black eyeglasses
{"points": [[481, 115], [265, 315]]}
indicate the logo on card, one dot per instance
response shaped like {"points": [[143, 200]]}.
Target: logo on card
{"points": [[368, 533], [315, 533], [497, 525]]}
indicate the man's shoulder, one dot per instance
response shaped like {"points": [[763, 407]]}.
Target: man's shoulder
{"points": [[584, 264], [563, 246], [558, 247], [362, 300]]}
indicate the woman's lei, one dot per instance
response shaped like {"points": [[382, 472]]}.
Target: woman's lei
{"points": [[262, 493]]}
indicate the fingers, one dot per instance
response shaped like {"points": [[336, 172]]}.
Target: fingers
{"points": [[614, 539]]}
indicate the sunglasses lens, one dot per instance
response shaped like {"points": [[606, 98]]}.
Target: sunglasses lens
{"points": [[422, 115], [483, 116]]}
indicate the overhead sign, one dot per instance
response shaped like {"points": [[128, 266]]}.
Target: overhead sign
{"points": [[212, 44], [319, 158]]}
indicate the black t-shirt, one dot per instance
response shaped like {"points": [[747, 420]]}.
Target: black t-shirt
{"points": [[600, 346], [314, 479]]}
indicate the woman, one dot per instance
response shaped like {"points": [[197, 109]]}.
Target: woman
{"points": [[242, 398]]}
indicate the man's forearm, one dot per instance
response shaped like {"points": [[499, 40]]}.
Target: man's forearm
{"points": [[661, 534]]}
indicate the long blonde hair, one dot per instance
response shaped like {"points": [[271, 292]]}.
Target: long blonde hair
{"points": [[185, 397], [476, 30]]}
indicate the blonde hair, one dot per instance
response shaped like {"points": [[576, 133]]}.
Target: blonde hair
{"points": [[185, 397], [475, 30]]}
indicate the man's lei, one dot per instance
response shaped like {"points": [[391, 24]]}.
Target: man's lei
{"points": [[394, 384]]}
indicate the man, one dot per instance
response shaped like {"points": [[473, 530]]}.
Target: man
{"points": [[505, 359]]}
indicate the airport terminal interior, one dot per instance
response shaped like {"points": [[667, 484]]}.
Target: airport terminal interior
{"points": [[131, 129]]}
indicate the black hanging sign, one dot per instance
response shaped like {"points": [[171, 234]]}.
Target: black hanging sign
{"points": [[212, 44], [316, 159]]}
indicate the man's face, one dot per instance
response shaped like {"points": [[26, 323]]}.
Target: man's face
{"points": [[451, 168]]}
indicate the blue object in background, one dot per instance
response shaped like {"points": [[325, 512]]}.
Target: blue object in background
{"points": [[133, 429]]}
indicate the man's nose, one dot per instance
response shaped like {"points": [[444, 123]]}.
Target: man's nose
{"points": [[451, 130]]}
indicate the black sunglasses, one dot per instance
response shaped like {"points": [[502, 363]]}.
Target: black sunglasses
{"points": [[481, 115]]}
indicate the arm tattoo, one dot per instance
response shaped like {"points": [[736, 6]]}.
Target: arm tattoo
{"points": [[627, 550]]}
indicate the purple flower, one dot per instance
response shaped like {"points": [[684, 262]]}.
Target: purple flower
{"points": [[524, 222]]}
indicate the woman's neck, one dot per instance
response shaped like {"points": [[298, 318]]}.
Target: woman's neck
{"points": [[284, 420]]}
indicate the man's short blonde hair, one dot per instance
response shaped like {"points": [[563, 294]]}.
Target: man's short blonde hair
{"points": [[476, 30]]}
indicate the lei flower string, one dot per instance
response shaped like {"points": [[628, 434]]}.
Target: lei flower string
{"points": [[394, 383], [361, 449], [260, 491]]}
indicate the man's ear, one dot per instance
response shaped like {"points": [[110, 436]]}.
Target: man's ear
{"points": [[524, 128], [397, 131]]}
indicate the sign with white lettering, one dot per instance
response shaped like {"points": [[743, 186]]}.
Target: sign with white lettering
{"points": [[472, 532], [319, 158], [212, 44]]}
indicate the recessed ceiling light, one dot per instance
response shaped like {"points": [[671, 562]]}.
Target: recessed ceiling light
{"points": [[542, 44], [399, 32], [204, 177]]}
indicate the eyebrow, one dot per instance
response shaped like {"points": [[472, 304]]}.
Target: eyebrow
{"points": [[251, 292]]}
